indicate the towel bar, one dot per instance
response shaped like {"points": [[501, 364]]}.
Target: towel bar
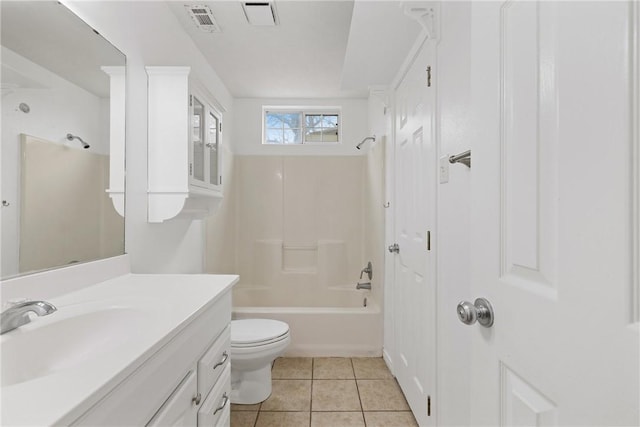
{"points": [[464, 158]]}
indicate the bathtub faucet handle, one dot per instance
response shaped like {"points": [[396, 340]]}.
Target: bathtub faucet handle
{"points": [[368, 269]]}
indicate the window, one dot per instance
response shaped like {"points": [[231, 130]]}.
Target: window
{"points": [[301, 126]]}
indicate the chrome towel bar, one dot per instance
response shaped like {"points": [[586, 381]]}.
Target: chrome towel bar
{"points": [[464, 158]]}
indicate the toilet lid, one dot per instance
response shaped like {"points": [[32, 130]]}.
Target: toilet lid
{"points": [[256, 331]]}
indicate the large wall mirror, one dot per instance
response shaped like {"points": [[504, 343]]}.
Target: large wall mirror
{"points": [[62, 153]]}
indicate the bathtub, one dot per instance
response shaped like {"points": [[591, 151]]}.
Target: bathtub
{"points": [[336, 323]]}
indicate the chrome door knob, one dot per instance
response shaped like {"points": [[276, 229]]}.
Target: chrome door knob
{"points": [[467, 313], [480, 311]]}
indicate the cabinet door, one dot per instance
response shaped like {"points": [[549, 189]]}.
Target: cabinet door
{"points": [[204, 143], [180, 409], [198, 155], [213, 146]]}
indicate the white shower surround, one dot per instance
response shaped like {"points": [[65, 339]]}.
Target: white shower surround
{"points": [[304, 234]]}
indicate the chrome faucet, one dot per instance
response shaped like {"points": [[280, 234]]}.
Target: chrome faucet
{"points": [[365, 285], [17, 315], [368, 269]]}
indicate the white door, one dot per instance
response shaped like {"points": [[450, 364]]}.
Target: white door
{"points": [[414, 287], [551, 215]]}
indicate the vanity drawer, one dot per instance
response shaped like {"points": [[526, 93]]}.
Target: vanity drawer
{"points": [[214, 362], [217, 406]]}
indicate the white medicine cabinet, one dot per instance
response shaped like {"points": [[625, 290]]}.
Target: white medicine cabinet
{"points": [[185, 150], [204, 145]]}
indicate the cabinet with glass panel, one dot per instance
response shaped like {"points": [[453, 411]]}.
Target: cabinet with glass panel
{"points": [[184, 159], [204, 145]]}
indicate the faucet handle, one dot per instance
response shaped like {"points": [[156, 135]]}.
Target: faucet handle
{"points": [[368, 269]]}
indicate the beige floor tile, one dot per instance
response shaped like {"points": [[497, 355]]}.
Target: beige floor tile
{"points": [[390, 419], [283, 419], [371, 368], [243, 418], [332, 368], [288, 395], [336, 419], [292, 368], [335, 395], [381, 395], [238, 407]]}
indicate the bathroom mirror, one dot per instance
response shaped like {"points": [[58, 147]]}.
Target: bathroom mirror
{"points": [[62, 154]]}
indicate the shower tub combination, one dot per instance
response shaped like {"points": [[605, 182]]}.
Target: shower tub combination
{"points": [[338, 324], [305, 232]]}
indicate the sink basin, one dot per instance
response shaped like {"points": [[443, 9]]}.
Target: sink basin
{"points": [[64, 340]]}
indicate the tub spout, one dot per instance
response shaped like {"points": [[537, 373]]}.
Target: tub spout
{"points": [[366, 285]]}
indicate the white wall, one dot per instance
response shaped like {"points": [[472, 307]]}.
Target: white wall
{"points": [[248, 127], [57, 107], [149, 34], [455, 135]]}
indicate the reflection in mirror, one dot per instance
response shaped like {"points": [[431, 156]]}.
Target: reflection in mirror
{"points": [[63, 99]]}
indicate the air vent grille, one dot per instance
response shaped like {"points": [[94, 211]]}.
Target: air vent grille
{"points": [[203, 18], [260, 13]]}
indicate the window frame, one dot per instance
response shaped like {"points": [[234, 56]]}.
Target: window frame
{"points": [[303, 112]]}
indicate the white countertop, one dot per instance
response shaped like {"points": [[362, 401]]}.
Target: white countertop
{"points": [[155, 308]]}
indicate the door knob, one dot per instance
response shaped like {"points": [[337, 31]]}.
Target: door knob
{"points": [[480, 311]]}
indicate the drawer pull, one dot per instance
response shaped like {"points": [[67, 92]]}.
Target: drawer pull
{"points": [[197, 399], [225, 356], [225, 399]]}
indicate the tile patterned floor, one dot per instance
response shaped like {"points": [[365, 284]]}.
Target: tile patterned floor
{"points": [[328, 392]]}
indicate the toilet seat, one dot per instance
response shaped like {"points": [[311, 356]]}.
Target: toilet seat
{"points": [[257, 332]]}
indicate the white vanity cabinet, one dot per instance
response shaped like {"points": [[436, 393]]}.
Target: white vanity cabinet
{"points": [[184, 146], [202, 397], [186, 383]]}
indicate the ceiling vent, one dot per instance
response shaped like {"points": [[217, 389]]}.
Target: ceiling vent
{"points": [[203, 17], [260, 13]]}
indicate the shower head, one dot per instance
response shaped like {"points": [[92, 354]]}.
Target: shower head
{"points": [[72, 137], [373, 138]]}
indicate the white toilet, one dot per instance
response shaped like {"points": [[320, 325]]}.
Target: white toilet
{"points": [[255, 344]]}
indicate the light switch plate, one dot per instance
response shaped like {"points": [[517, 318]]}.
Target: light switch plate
{"points": [[444, 169]]}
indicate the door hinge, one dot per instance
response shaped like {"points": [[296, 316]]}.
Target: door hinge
{"points": [[220, 127], [190, 169], [190, 100], [429, 76], [428, 240], [428, 406], [394, 248]]}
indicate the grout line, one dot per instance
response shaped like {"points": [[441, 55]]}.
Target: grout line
{"points": [[311, 397], [358, 390]]}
